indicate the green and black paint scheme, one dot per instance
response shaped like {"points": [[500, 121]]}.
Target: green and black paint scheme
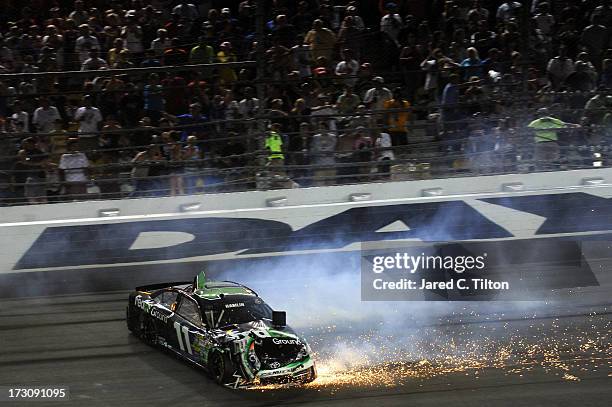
{"points": [[221, 326]]}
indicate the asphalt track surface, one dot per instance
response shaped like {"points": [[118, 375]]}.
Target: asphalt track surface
{"points": [[81, 341]]}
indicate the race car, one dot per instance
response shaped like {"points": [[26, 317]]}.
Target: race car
{"points": [[223, 327]]}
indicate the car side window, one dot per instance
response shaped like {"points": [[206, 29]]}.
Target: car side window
{"points": [[189, 310], [169, 298]]}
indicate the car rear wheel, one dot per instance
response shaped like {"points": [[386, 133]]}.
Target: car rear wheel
{"points": [[220, 367]]}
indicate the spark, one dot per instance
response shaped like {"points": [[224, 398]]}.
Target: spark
{"points": [[376, 360]]}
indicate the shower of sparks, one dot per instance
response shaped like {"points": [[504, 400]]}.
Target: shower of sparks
{"points": [[377, 360]]}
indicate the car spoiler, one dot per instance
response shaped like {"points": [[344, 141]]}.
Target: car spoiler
{"points": [[159, 286]]}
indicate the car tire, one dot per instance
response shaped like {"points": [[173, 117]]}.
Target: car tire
{"points": [[220, 367], [146, 329]]}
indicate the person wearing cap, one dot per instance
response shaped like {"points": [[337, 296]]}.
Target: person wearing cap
{"points": [[161, 43], [227, 54], [546, 138], [85, 43], [391, 22], [376, 96], [357, 20]]}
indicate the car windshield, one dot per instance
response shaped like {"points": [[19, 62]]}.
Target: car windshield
{"points": [[240, 311]]}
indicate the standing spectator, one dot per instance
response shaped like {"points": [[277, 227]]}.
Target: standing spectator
{"points": [[89, 119], [93, 63], [302, 58], [546, 139], [472, 65], [384, 153], [154, 103], [226, 54], [322, 155], [595, 38], [74, 166], [508, 10], [202, 53], [20, 118], [397, 120], [132, 37], [191, 155], [559, 68], [161, 43], [348, 68], [84, 43], [349, 37], [391, 22], [274, 146], [376, 97], [321, 40], [348, 101], [32, 163], [45, 116]]}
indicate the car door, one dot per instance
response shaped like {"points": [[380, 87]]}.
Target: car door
{"points": [[189, 330], [167, 300]]}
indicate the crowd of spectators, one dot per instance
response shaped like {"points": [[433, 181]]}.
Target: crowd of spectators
{"points": [[336, 84]]}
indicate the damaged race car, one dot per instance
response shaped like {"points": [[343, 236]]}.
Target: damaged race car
{"points": [[223, 327]]}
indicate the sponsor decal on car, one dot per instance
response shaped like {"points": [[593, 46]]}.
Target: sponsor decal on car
{"points": [[278, 341], [235, 305], [150, 309]]}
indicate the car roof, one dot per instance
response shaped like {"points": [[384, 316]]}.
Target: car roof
{"points": [[214, 290]]}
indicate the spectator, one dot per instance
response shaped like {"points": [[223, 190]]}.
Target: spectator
{"points": [[472, 65], [45, 116], [89, 119], [376, 96], [322, 149], [391, 22], [74, 166], [20, 118], [348, 68], [161, 43], [202, 53], [32, 164], [546, 139], [348, 101], [85, 43], [274, 146], [154, 103], [321, 40], [191, 155], [559, 68], [93, 63], [398, 117], [508, 10]]}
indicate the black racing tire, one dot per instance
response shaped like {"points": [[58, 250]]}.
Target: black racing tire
{"points": [[129, 320], [220, 367]]}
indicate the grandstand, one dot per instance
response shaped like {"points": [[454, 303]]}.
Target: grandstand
{"points": [[119, 99]]}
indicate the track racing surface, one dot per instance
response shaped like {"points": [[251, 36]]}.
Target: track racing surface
{"points": [[556, 352]]}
